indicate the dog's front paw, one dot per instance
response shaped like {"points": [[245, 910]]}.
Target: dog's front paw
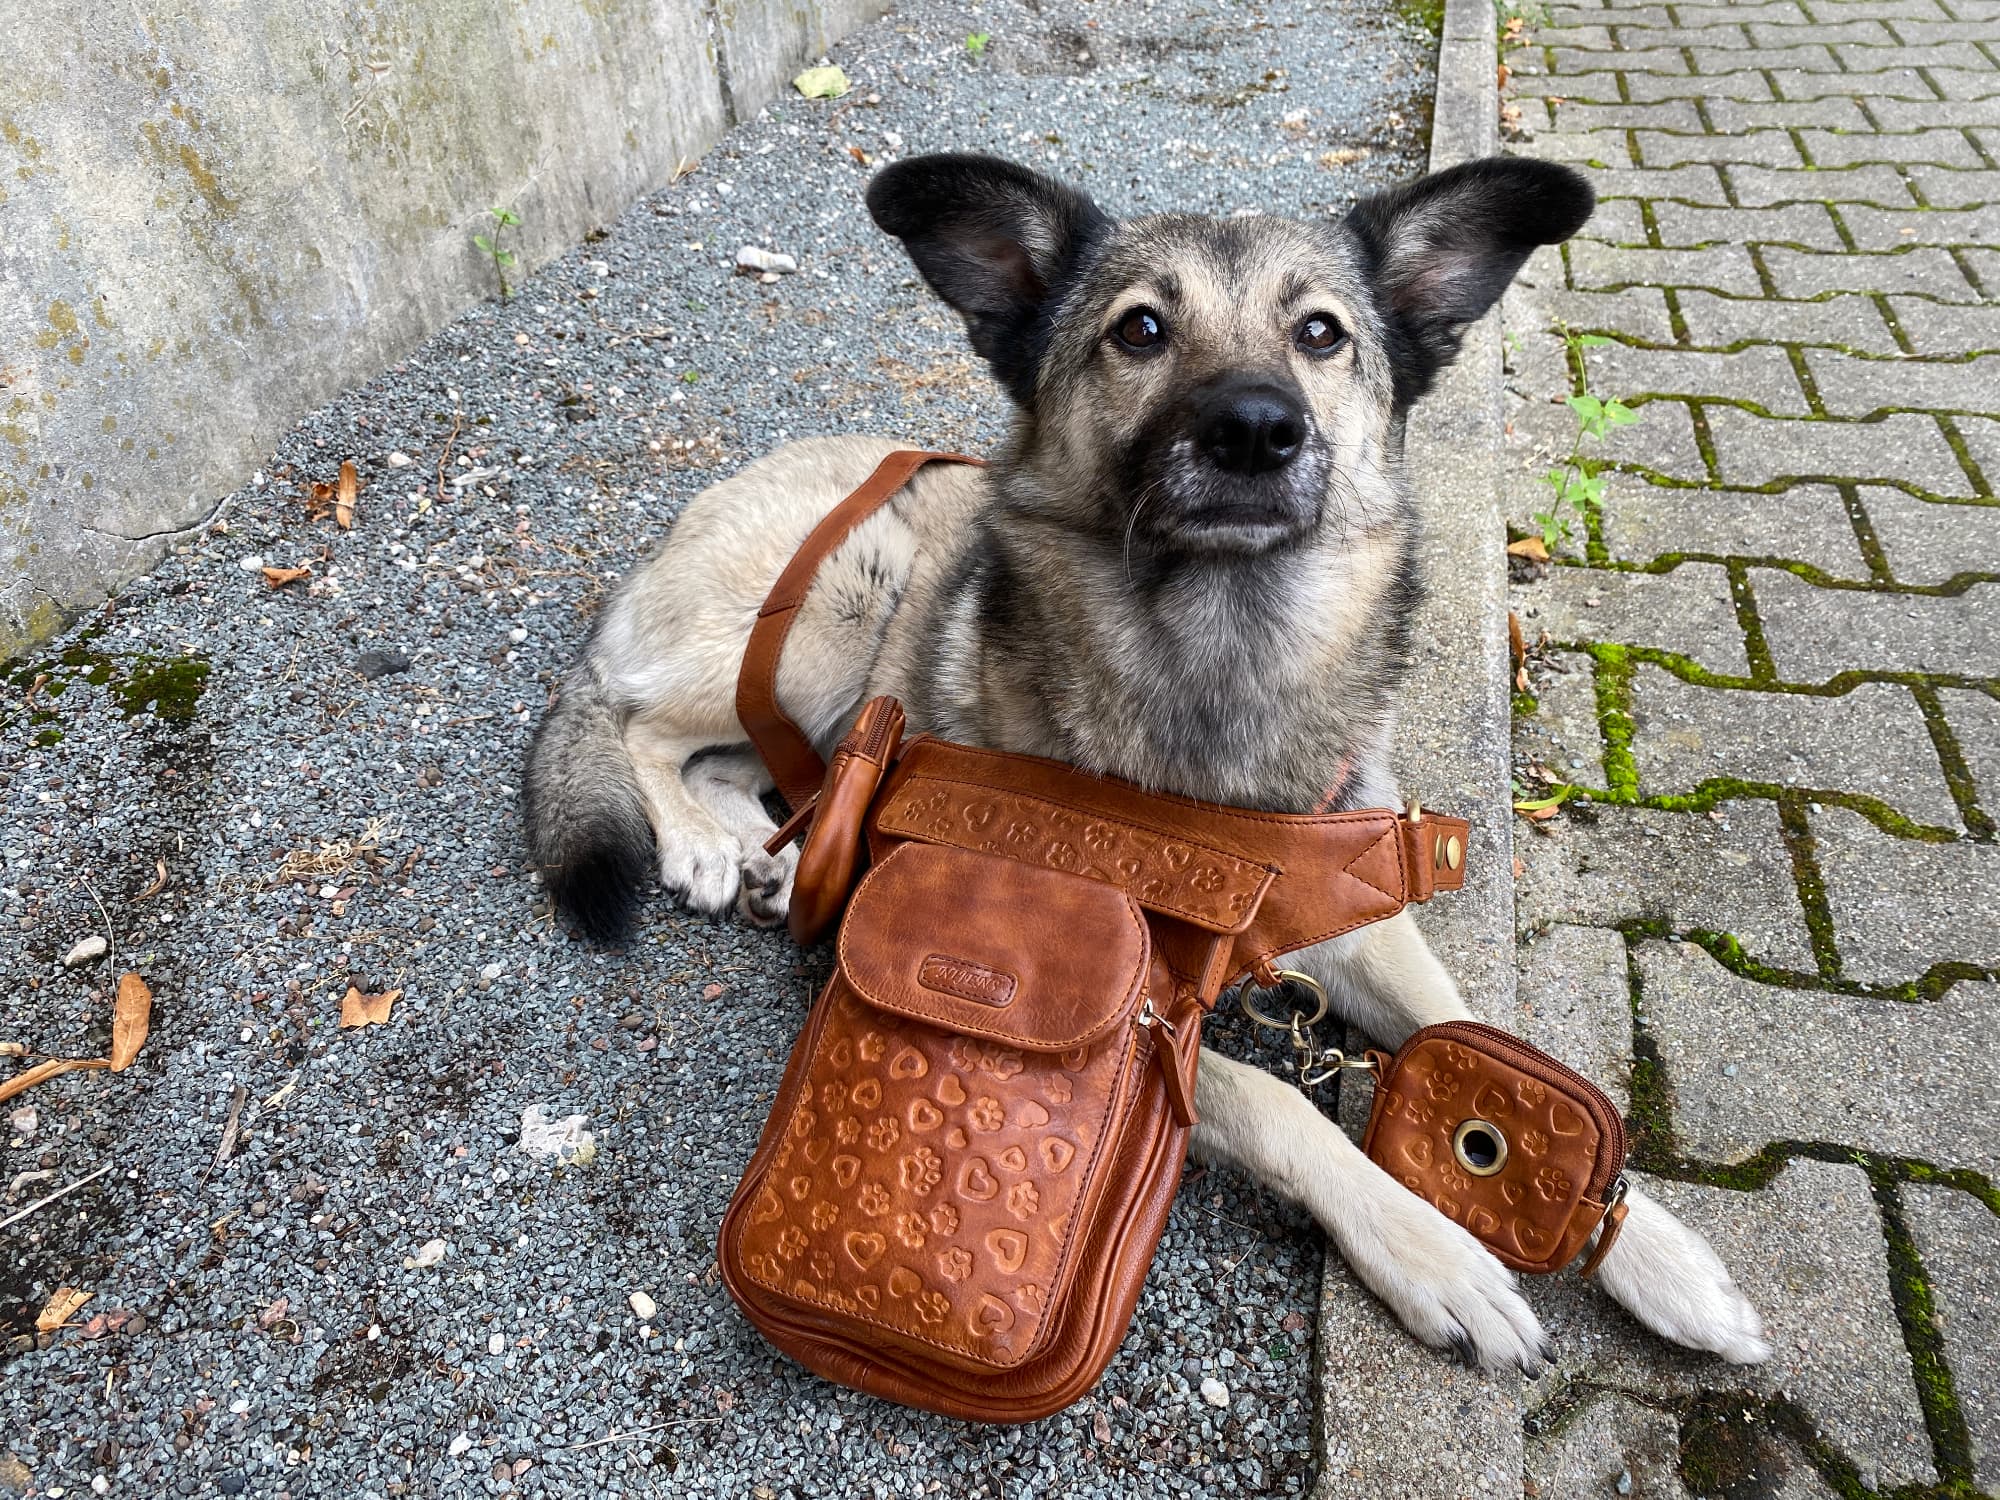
{"points": [[1667, 1276], [766, 893], [700, 869], [1445, 1286]]}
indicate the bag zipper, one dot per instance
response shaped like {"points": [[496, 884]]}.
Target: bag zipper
{"points": [[1492, 1037]]}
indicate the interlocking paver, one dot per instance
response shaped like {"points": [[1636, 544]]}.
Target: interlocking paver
{"points": [[1722, 268], [1638, 311], [1940, 147], [1926, 269], [1851, 322], [1846, 393], [1886, 228], [1808, 1251], [1753, 450], [1609, 865], [1666, 114], [1815, 633], [1663, 442], [1753, 1063], [1900, 906], [1809, 224], [1941, 328], [1869, 740], [1852, 387], [1757, 187], [1806, 523], [1760, 374], [1933, 541], [1958, 1242], [1645, 60]]}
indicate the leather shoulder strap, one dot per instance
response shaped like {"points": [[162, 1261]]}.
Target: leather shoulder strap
{"points": [[794, 765]]}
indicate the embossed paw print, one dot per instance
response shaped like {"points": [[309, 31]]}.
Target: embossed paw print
{"points": [[847, 1131], [883, 1134], [1456, 1180], [910, 1230], [833, 1096], [986, 1113], [955, 1265], [1457, 1057], [1028, 1297], [932, 1306], [944, 1219], [1534, 1142], [824, 1215], [920, 1170], [1062, 856], [822, 1266], [1206, 879], [1019, 832], [1443, 1085], [874, 1200], [792, 1242], [871, 1047], [1552, 1184], [1531, 1093], [1099, 837], [1023, 1200]]}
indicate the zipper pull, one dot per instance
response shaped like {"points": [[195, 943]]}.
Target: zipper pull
{"points": [[1177, 1049]]}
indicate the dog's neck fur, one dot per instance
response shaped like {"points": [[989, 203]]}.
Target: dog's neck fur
{"points": [[1230, 678]]}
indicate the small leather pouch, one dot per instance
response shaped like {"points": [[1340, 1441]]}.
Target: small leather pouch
{"points": [[1503, 1139], [830, 860]]}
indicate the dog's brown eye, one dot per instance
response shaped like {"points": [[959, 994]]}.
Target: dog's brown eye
{"points": [[1141, 329], [1319, 333]]}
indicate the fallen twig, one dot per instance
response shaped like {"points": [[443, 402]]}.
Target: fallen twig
{"points": [[16, 1218], [619, 1437], [228, 1131]]}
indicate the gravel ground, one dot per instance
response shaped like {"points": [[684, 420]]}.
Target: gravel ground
{"points": [[326, 773]]}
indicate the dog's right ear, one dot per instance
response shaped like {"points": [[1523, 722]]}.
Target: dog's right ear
{"points": [[996, 241]]}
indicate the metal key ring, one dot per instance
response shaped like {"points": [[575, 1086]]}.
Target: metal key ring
{"points": [[1251, 1010]]}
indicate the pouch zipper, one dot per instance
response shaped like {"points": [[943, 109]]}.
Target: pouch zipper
{"points": [[871, 744], [1602, 1181]]}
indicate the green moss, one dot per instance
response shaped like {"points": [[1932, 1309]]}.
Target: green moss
{"points": [[1429, 14], [1612, 680], [1916, 1310], [170, 687], [1525, 704]]}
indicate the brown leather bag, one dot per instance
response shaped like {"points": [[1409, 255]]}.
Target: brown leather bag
{"points": [[979, 1133], [1501, 1138]]}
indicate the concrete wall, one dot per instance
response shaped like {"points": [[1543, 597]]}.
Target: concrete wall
{"points": [[215, 214]]}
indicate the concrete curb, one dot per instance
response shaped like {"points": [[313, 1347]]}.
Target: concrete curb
{"points": [[1396, 1419]]}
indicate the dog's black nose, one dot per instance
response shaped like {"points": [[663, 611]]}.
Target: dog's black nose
{"points": [[1251, 429]]}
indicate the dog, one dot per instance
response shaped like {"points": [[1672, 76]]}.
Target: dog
{"points": [[1190, 565]]}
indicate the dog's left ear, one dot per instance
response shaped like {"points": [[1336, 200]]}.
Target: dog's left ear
{"points": [[1446, 247], [996, 241]]}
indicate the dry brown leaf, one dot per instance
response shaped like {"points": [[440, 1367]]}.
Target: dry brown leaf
{"points": [[131, 1017], [275, 1313], [42, 1072], [350, 486], [277, 578], [13, 1049], [1540, 814], [1515, 638], [159, 881], [1520, 867], [357, 1009], [1505, 74], [319, 500], [1529, 546], [1522, 681], [61, 1308]]}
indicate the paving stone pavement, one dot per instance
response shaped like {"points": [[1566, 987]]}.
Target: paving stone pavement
{"points": [[1769, 662]]}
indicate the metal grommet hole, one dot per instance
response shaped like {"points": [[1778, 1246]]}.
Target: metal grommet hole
{"points": [[1480, 1147]]}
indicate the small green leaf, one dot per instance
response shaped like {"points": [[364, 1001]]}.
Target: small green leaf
{"points": [[506, 216], [505, 257], [1536, 804], [483, 243], [1618, 414], [1588, 408], [689, 377], [975, 42], [1590, 340]]}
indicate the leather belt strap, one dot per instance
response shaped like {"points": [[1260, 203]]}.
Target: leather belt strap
{"points": [[794, 765]]}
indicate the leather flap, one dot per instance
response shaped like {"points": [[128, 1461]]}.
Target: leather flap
{"points": [[994, 948]]}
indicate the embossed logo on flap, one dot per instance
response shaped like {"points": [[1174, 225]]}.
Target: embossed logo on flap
{"points": [[966, 979]]}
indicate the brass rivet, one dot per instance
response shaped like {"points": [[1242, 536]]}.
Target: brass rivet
{"points": [[1454, 852], [1437, 852]]}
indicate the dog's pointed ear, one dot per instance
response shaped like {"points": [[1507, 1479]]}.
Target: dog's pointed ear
{"points": [[1445, 248], [996, 241]]}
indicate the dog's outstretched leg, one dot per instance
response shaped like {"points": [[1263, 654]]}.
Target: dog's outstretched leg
{"points": [[700, 860], [1386, 980], [1436, 1278]]}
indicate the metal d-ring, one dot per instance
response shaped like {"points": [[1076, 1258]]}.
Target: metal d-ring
{"points": [[1297, 1019]]}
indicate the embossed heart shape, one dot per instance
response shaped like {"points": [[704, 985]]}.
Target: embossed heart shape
{"points": [[864, 1249], [816, 1150], [903, 1282], [846, 1169], [800, 1187], [1057, 1153], [950, 1091], [975, 1181], [1418, 1150], [1008, 1247], [990, 1316], [867, 1093], [1031, 1115], [909, 1063], [1489, 1103], [769, 1207], [1563, 1120], [1014, 1159], [1513, 1192], [956, 1139], [1482, 1221], [1532, 1241], [924, 1115]]}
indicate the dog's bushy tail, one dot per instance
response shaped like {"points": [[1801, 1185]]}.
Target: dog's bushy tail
{"points": [[586, 822]]}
